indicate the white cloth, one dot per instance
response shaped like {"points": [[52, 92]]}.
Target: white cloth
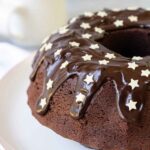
{"points": [[10, 56]]}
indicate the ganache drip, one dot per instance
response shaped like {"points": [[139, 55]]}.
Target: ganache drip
{"points": [[73, 51]]}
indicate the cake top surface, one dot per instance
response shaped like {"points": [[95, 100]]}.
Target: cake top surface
{"points": [[74, 51]]}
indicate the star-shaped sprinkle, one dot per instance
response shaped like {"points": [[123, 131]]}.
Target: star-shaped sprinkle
{"points": [[73, 20], [86, 35], [110, 56], [131, 105], [80, 98], [88, 14], [137, 58], [116, 9], [132, 65], [145, 73], [64, 64], [58, 52], [134, 83], [94, 46], [102, 14], [85, 25], [49, 84], [63, 30], [118, 23], [133, 18], [132, 8], [74, 44], [89, 79], [99, 30], [45, 40], [42, 103], [87, 57], [103, 62], [48, 46]]}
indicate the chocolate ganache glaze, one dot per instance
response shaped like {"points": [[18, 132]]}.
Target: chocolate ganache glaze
{"points": [[76, 50]]}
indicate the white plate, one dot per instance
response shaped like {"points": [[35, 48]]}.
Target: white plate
{"points": [[17, 126]]}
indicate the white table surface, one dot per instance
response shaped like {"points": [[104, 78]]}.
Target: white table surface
{"points": [[9, 56]]}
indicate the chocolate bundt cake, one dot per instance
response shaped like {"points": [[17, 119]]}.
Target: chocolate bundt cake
{"points": [[91, 80]]}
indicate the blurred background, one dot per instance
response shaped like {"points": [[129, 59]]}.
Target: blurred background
{"points": [[24, 23]]}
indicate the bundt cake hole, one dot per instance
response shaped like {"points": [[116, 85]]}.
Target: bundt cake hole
{"points": [[129, 42]]}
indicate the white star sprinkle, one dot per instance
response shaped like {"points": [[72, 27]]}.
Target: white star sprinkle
{"points": [[73, 20], [86, 35], [80, 98], [63, 65], [132, 8], [102, 14], [133, 18], [89, 79], [103, 62], [45, 40], [94, 46], [58, 52], [110, 56], [118, 23], [48, 46], [63, 30], [99, 30], [88, 14], [85, 25], [145, 73], [132, 65], [49, 84], [87, 57], [131, 105], [116, 9], [42, 102], [137, 58], [134, 83], [74, 44]]}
